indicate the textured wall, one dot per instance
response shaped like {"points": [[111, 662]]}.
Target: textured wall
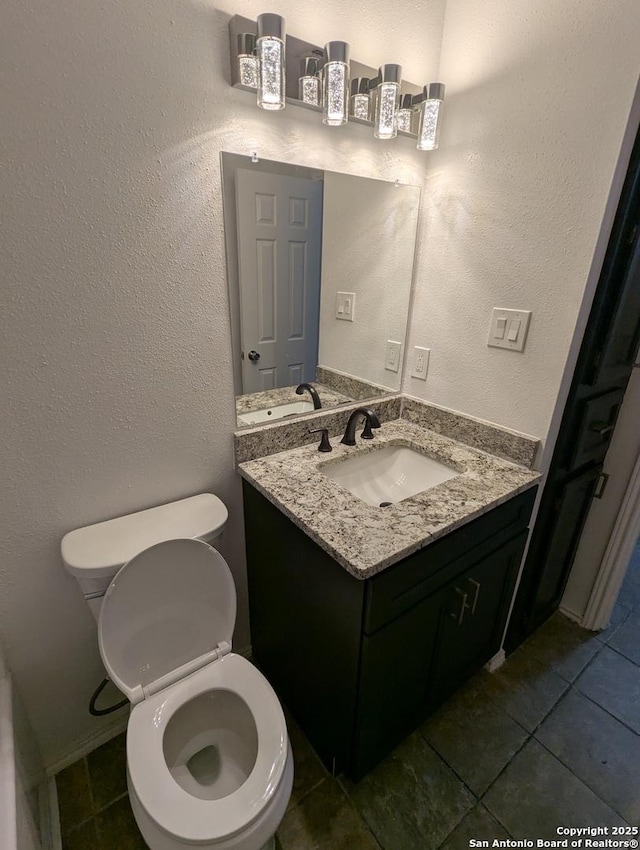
{"points": [[369, 232], [116, 373], [537, 102]]}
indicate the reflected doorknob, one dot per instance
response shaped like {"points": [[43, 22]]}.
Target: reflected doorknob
{"points": [[253, 355]]}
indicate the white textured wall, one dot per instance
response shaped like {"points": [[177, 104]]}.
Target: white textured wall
{"points": [[368, 245], [538, 97], [116, 376]]}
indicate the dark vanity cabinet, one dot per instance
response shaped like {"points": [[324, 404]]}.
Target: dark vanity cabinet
{"points": [[361, 663]]}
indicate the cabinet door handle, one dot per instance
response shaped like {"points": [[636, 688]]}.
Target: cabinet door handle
{"points": [[476, 585], [459, 617]]}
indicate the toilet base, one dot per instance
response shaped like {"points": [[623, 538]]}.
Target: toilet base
{"points": [[258, 836]]}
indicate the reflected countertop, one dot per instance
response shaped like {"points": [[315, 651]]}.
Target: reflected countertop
{"points": [[365, 539], [285, 395]]}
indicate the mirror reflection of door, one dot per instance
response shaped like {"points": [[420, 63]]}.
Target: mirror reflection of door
{"points": [[279, 256]]}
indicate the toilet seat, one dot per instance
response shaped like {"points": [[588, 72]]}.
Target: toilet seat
{"points": [[175, 810], [164, 632]]}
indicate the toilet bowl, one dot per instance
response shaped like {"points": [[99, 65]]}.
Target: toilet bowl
{"points": [[208, 757]]}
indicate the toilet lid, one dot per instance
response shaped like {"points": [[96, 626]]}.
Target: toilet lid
{"points": [[167, 606]]}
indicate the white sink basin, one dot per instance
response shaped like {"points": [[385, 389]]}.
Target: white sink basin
{"points": [[256, 417], [389, 474]]}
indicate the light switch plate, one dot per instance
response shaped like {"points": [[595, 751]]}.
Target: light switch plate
{"points": [[392, 360], [420, 362], [509, 328], [345, 306]]}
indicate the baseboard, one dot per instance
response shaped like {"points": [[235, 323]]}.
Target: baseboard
{"points": [[50, 832], [87, 745], [497, 661]]}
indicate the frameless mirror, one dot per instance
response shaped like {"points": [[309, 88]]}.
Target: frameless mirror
{"points": [[319, 268]]}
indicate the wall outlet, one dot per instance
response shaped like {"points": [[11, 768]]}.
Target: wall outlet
{"points": [[509, 328], [345, 306], [420, 362], [392, 360]]}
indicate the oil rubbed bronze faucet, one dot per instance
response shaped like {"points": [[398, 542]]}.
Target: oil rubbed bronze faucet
{"points": [[371, 421], [317, 404]]}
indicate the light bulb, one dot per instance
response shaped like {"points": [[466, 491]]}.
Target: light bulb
{"points": [[389, 81], [271, 64]]}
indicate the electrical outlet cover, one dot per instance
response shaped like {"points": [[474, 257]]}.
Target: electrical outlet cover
{"points": [[392, 360], [420, 362]]}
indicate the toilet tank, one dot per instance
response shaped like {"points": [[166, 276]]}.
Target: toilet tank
{"points": [[95, 553]]}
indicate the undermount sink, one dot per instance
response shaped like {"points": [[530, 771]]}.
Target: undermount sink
{"points": [[388, 474], [278, 411]]}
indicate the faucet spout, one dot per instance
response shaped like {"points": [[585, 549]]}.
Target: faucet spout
{"points": [[370, 421], [313, 392]]}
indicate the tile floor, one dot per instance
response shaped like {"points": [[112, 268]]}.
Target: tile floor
{"points": [[552, 738]]}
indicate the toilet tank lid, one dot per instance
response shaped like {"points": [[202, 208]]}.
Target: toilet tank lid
{"points": [[98, 551]]}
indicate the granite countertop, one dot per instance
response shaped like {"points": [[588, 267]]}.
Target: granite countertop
{"points": [[366, 539]]}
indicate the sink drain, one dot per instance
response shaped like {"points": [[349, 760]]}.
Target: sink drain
{"points": [[384, 504]]}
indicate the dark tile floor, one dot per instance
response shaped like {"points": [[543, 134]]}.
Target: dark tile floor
{"points": [[550, 739]]}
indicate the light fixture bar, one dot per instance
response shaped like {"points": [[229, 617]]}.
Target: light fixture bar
{"points": [[295, 84]]}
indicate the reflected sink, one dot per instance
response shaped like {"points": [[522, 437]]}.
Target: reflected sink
{"points": [[278, 411], [389, 474]]}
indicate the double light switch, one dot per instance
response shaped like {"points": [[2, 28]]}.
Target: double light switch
{"points": [[509, 328]]}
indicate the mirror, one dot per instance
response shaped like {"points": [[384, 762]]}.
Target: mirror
{"points": [[319, 269]]}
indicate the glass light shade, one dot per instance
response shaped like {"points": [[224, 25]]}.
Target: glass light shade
{"points": [[247, 60], [403, 119], [309, 81], [430, 118], [271, 62], [335, 84], [387, 94], [248, 66], [385, 121], [309, 90], [361, 106]]}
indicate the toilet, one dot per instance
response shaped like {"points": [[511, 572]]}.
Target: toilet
{"points": [[209, 763]]}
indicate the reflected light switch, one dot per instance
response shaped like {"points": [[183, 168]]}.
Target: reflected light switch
{"points": [[345, 305], [501, 327]]}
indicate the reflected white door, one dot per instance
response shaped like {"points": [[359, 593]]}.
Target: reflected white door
{"points": [[279, 254]]}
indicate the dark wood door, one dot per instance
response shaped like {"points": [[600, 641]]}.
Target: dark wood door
{"points": [[604, 365], [394, 681]]}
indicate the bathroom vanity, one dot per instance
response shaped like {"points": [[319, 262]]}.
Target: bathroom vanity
{"points": [[366, 618]]}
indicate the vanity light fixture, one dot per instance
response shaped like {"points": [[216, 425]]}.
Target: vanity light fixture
{"points": [[388, 90], [309, 82], [360, 98], [404, 117], [271, 61], [430, 117], [247, 60], [335, 84], [281, 68]]}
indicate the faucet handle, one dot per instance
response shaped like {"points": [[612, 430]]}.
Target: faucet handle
{"points": [[325, 445]]}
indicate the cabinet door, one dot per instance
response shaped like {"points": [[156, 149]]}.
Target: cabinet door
{"points": [[394, 681], [474, 614]]}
